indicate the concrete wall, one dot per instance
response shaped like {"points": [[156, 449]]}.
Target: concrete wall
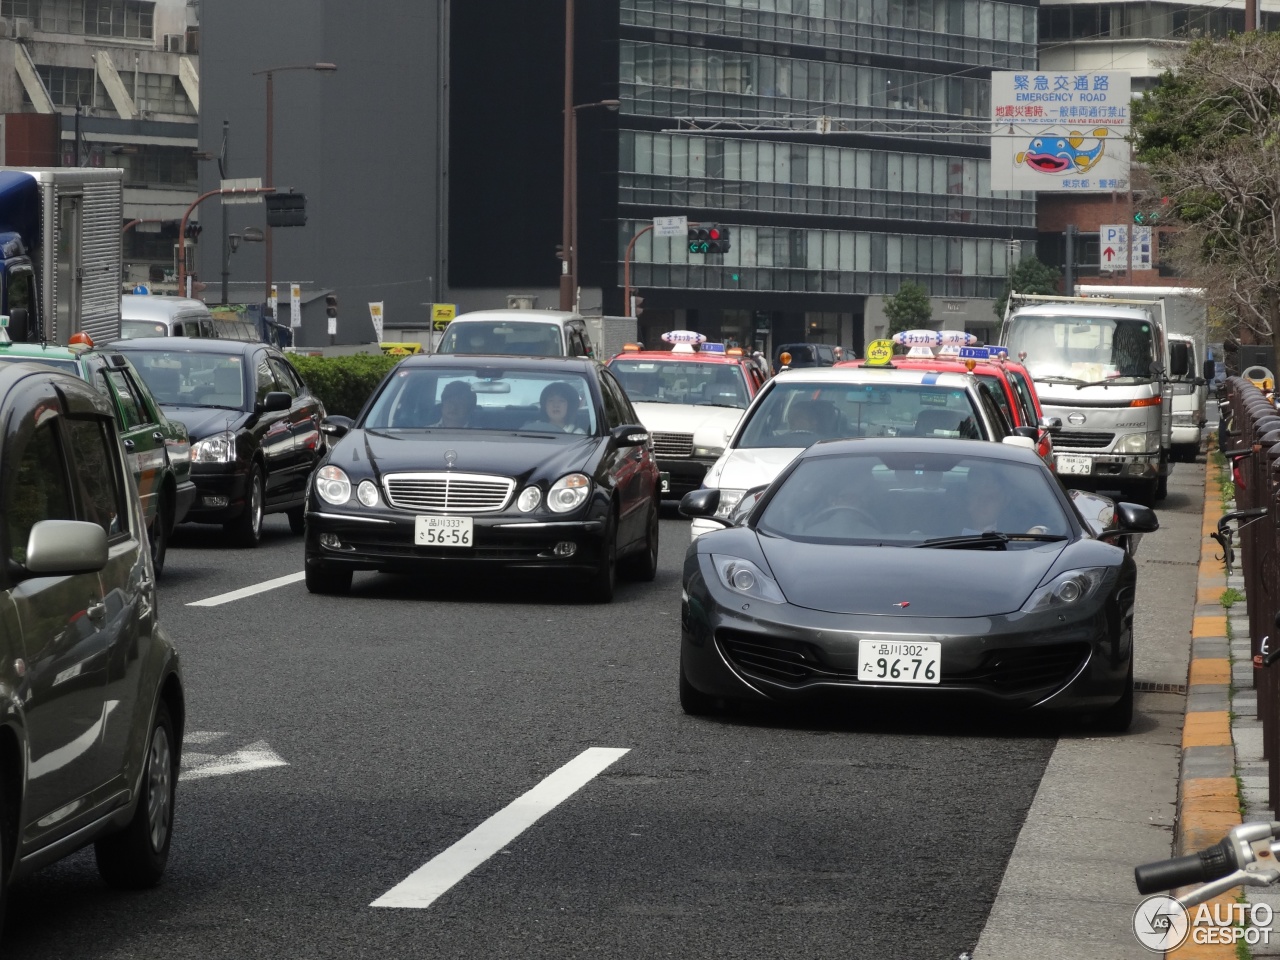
{"points": [[361, 143]]}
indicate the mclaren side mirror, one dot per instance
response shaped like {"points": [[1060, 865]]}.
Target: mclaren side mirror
{"points": [[1135, 518], [700, 503]]}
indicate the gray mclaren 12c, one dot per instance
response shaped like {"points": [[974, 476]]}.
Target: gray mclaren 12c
{"points": [[942, 568]]}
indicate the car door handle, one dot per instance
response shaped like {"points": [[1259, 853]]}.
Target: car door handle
{"points": [[157, 436], [96, 611], [128, 444]]}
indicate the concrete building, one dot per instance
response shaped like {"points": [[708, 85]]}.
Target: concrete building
{"points": [[363, 143], [1137, 37], [108, 83]]}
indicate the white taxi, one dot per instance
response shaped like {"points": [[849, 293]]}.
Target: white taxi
{"points": [[800, 407], [689, 399]]}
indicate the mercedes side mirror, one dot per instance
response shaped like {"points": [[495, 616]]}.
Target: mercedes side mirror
{"points": [[629, 435], [336, 426]]}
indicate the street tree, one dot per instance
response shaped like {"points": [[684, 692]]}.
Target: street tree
{"points": [[909, 308], [1031, 275], [1209, 137]]}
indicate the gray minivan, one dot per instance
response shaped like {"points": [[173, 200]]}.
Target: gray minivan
{"points": [[151, 316], [525, 333]]}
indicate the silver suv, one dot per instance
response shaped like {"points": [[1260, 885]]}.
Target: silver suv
{"points": [[91, 727]]}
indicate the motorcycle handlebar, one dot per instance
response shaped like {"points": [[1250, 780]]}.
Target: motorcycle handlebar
{"points": [[1217, 861]]}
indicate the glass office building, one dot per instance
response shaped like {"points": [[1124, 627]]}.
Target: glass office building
{"points": [[823, 225]]}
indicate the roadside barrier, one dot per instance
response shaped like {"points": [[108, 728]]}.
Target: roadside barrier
{"points": [[1250, 441]]}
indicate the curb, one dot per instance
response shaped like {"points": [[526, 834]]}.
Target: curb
{"points": [[1208, 791]]}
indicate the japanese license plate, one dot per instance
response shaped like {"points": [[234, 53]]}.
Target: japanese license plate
{"points": [[1073, 465], [664, 483], [899, 661], [443, 531]]}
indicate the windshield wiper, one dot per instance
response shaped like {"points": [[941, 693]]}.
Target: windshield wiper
{"points": [[1110, 381], [1055, 379], [731, 406], [990, 538]]}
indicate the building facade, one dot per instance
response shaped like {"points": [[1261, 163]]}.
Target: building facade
{"points": [[109, 83]]}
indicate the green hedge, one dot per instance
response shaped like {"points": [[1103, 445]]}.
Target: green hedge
{"points": [[343, 384]]}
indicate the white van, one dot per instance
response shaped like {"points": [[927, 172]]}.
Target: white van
{"points": [[525, 333], [149, 316]]}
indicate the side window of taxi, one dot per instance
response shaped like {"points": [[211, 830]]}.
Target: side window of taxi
{"points": [[96, 475], [1025, 403], [37, 489], [996, 415], [133, 410]]}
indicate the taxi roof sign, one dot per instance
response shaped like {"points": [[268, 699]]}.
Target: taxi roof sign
{"points": [[682, 341], [975, 353], [712, 348], [879, 353]]}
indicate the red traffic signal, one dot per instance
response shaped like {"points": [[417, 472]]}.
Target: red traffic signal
{"points": [[711, 238]]}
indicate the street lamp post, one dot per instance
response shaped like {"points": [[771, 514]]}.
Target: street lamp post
{"points": [[270, 73], [573, 193], [568, 282]]}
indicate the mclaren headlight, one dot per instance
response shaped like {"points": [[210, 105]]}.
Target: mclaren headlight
{"points": [[1067, 590], [744, 577]]}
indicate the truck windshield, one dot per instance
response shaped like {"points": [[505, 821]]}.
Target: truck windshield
{"points": [[1083, 349]]}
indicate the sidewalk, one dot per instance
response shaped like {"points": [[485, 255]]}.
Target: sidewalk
{"points": [[1108, 803]]}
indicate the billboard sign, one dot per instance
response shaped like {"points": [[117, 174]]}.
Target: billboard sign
{"points": [[1060, 131]]}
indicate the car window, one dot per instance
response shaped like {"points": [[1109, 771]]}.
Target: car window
{"points": [[206, 327], [190, 378], [284, 380], [615, 413], [266, 380], [910, 496], [134, 329], [682, 381], [100, 490], [526, 338], [1025, 399], [299, 385], [797, 414], [37, 489], [997, 392], [610, 387], [995, 412], [20, 291], [132, 409]]}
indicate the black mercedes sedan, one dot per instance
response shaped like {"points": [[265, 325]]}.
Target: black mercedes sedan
{"points": [[932, 566], [470, 463], [254, 425]]}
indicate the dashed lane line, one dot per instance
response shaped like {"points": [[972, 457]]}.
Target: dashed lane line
{"points": [[432, 880], [243, 592]]}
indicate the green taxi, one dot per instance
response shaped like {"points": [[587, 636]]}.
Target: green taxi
{"points": [[158, 449]]}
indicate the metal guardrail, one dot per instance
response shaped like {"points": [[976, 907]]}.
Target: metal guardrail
{"points": [[1249, 438]]}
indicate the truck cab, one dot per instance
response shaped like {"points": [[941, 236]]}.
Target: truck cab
{"points": [[1190, 392], [1102, 368]]}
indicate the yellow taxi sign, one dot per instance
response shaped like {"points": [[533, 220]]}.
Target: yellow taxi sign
{"points": [[879, 353], [400, 349], [444, 311]]}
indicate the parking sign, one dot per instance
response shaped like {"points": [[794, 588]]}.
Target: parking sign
{"points": [[1113, 247]]}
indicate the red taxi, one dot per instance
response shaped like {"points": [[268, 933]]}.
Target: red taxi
{"points": [[690, 398], [1009, 381]]}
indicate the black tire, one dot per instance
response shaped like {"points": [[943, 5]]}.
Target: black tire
{"points": [[693, 701], [4, 853], [1143, 493], [606, 576], [297, 520], [328, 580], [1162, 487], [1119, 716], [643, 566], [158, 534], [136, 857], [246, 529]]}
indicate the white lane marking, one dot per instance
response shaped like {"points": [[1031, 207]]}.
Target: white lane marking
{"points": [[432, 880], [256, 756], [202, 736], [240, 594]]}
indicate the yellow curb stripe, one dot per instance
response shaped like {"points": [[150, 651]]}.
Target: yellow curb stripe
{"points": [[1208, 594], [1207, 728], [1209, 670], [1213, 626]]}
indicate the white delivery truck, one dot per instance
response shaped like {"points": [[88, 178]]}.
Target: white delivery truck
{"points": [[1186, 314], [1102, 371], [60, 252]]}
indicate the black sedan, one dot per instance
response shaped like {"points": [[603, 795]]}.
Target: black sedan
{"points": [[934, 566], [254, 425], [476, 463]]}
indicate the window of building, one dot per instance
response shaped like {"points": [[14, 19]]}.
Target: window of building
{"points": [[126, 19], [18, 8], [155, 164], [72, 86], [162, 93]]}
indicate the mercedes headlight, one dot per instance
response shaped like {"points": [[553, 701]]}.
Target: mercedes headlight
{"points": [[367, 493], [1138, 443], [728, 500], [220, 448], [568, 493], [1069, 589], [529, 499], [333, 485], [744, 577]]}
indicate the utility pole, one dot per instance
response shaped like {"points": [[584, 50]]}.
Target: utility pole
{"points": [[1069, 274], [226, 239]]}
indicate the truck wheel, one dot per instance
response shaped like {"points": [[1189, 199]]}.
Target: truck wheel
{"points": [[1162, 487]]}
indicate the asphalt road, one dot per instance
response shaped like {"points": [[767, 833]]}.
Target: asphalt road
{"points": [[345, 742]]}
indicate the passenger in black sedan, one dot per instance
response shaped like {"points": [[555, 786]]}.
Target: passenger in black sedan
{"points": [[560, 403], [457, 405]]}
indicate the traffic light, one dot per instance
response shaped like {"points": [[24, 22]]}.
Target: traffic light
{"points": [[637, 305], [1146, 217], [193, 229], [331, 306], [286, 209], [709, 238]]}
